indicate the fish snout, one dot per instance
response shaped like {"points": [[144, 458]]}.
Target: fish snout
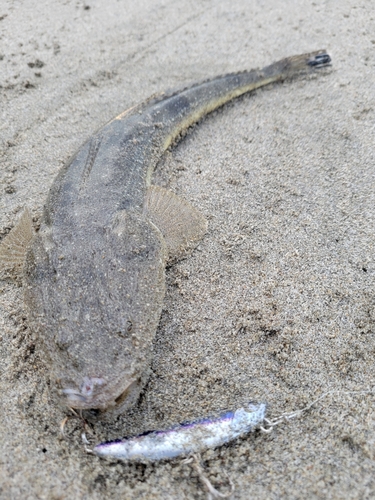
{"points": [[95, 393], [85, 397]]}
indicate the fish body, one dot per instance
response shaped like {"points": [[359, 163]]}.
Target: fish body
{"points": [[94, 274], [185, 439]]}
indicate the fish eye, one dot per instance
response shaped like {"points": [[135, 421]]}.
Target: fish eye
{"points": [[128, 329]]}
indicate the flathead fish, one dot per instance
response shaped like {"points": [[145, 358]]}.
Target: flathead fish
{"points": [[94, 273]]}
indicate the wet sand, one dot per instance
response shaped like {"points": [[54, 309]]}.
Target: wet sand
{"points": [[276, 304]]}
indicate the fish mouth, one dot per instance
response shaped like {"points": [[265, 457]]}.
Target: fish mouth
{"points": [[74, 398], [95, 393], [88, 395]]}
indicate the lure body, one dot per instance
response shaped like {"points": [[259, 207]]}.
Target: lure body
{"points": [[185, 439]]}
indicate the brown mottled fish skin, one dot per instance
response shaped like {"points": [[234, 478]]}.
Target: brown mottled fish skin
{"points": [[94, 273]]}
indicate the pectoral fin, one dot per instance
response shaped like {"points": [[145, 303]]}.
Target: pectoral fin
{"points": [[181, 224], [14, 246]]}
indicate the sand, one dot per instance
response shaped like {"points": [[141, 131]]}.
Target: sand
{"points": [[276, 304]]}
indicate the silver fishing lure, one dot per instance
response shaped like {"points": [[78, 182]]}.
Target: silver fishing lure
{"points": [[185, 439]]}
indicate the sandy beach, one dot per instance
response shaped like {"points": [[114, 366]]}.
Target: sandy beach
{"points": [[277, 303]]}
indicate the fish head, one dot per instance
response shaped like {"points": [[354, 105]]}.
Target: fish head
{"points": [[96, 306]]}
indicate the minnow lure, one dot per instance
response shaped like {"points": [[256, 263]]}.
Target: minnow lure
{"points": [[185, 439], [94, 274]]}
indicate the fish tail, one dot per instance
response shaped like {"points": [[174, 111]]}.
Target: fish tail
{"points": [[297, 65]]}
